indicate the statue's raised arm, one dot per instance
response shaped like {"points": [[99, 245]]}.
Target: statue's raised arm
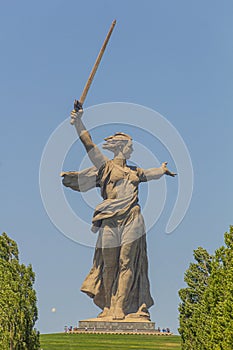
{"points": [[94, 153]]}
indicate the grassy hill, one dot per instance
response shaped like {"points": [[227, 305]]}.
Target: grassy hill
{"points": [[64, 341]]}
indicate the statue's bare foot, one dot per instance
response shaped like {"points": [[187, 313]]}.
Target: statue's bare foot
{"points": [[104, 313], [118, 314]]}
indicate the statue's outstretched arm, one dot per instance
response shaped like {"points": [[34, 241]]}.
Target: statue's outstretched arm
{"points": [[94, 153], [155, 173]]}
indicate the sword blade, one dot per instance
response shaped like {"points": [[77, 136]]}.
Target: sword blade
{"points": [[97, 62]]}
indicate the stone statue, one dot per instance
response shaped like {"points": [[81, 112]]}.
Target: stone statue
{"points": [[118, 280]]}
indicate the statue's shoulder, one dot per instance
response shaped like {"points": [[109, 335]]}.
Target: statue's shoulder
{"points": [[104, 169]]}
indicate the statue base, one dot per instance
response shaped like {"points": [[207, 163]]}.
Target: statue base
{"points": [[109, 325]]}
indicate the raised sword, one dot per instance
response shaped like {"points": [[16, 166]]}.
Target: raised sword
{"points": [[78, 104]]}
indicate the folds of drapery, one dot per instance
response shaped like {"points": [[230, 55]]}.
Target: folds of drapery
{"points": [[139, 293]]}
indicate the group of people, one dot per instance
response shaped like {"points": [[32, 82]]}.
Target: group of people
{"points": [[164, 330], [70, 329]]}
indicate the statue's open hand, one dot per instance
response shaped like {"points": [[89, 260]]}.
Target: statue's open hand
{"points": [[167, 171]]}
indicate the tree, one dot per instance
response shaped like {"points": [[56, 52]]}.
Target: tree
{"points": [[218, 299], [18, 311], [206, 319], [196, 278]]}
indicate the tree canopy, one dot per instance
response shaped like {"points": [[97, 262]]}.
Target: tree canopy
{"points": [[18, 310], [206, 308]]}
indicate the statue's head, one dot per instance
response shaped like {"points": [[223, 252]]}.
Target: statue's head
{"points": [[119, 143]]}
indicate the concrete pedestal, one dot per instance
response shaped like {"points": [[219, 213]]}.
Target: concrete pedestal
{"points": [[105, 325]]}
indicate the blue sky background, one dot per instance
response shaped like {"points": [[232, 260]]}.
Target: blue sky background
{"points": [[172, 56]]}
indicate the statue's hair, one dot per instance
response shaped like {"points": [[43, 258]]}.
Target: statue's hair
{"points": [[117, 140]]}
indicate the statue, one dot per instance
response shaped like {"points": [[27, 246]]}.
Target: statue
{"points": [[118, 281]]}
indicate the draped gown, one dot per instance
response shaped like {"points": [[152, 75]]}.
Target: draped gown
{"points": [[119, 223]]}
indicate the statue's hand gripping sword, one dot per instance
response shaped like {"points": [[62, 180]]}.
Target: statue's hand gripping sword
{"points": [[78, 104]]}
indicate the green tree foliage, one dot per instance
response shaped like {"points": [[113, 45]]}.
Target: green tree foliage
{"points": [[196, 278], [18, 311], [207, 323]]}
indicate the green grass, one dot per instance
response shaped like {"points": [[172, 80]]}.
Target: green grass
{"points": [[108, 342]]}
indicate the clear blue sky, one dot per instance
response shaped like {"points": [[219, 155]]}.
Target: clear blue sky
{"points": [[172, 56]]}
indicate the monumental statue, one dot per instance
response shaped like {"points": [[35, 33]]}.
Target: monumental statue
{"points": [[118, 280]]}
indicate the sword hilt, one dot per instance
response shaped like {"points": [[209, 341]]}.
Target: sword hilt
{"points": [[77, 107]]}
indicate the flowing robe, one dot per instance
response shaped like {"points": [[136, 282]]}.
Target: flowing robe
{"points": [[119, 213]]}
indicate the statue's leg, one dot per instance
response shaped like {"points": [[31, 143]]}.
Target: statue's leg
{"points": [[126, 275], [110, 252]]}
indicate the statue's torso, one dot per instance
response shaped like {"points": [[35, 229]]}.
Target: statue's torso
{"points": [[119, 182]]}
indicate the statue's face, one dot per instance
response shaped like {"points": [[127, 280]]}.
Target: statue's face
{"points": [[128, 150]]}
